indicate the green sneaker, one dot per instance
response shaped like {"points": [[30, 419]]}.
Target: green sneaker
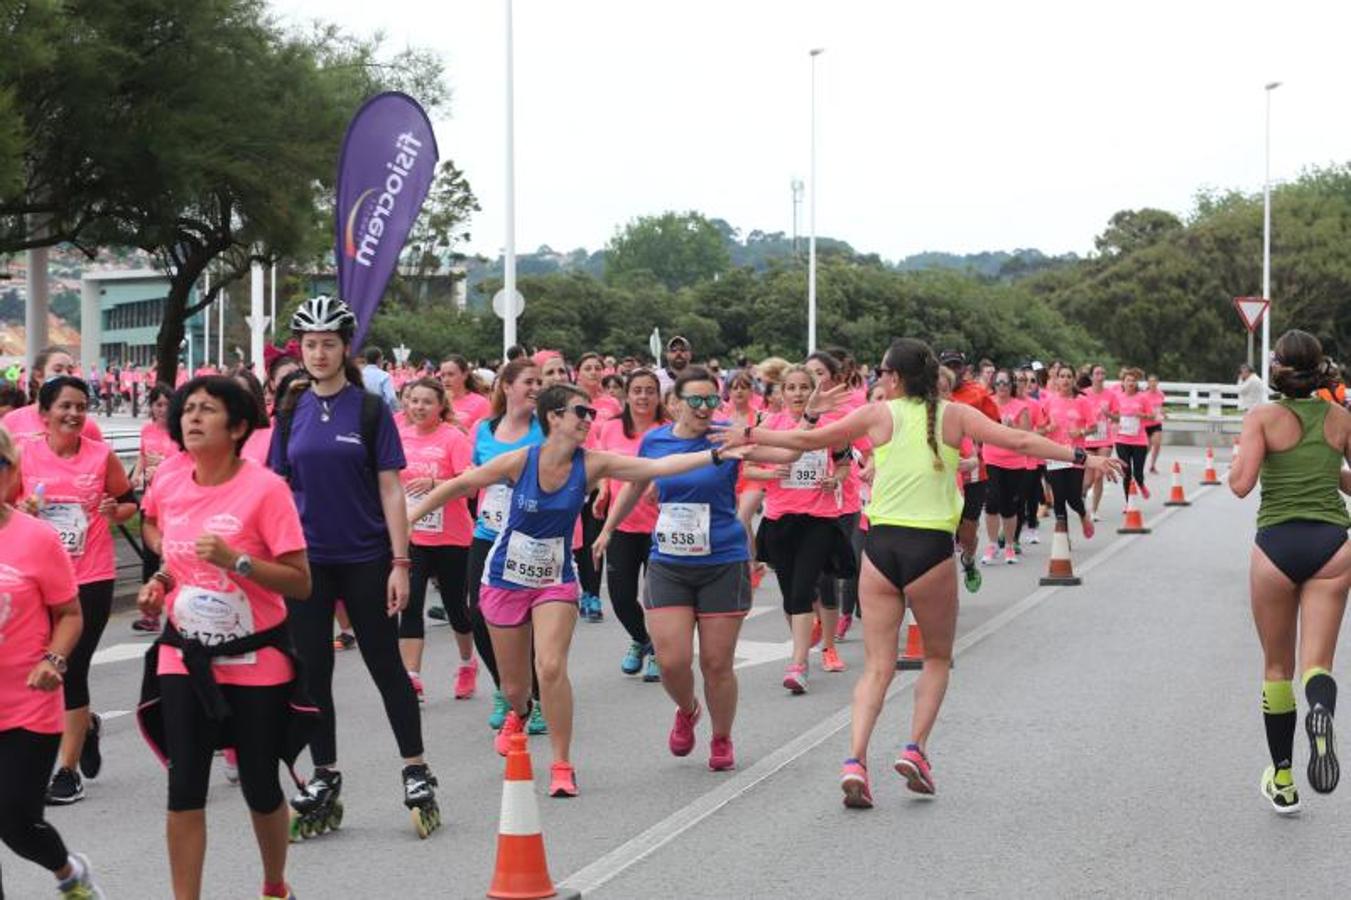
{"points": [[652, 673], [499, 713], [1284, 798], [973, 577], [536, 724]]}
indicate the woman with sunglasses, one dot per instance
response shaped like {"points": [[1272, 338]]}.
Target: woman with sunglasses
{"points": [[1005, 469], [530, 590], [1028, 389]]}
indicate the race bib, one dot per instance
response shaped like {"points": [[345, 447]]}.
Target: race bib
{"points": [[533, 563], [1129, 425], [496, 503], [1099, 431], [682, 529], [71, 525], [807, 473], [432, 522], [214, 617]]}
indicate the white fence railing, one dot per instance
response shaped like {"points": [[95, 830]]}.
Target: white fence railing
{"points": [[1205, 398]]}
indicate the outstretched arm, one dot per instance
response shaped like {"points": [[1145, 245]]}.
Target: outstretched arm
{"points": [[506, 467], [601, 464]]}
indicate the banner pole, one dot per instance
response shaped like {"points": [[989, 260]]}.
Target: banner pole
{"points": [[509, 252]]}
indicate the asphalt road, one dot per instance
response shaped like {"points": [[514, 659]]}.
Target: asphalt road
{"points": [[1104, 740]]}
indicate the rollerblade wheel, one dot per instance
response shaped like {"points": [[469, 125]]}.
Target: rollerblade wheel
{"points": [[420, 824], [335, 816], [296, 825]]}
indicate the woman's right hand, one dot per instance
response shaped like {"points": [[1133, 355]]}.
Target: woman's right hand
{"points": [[602, 501], [150, 598], [599, 545]]}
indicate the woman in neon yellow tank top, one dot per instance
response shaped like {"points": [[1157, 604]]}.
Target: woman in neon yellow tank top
{"points": [[908, 554], [1301, 562]]}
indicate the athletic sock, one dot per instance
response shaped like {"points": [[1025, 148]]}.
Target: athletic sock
{"points": [[1320, 689], [1278, 714]]}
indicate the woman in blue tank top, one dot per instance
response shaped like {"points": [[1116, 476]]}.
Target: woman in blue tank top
{"points": [[529, 591]]}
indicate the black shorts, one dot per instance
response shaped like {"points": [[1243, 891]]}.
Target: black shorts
{"points": [[720, 589], [1151, 430], [1299, 549], [973, 500], [903, 554]]}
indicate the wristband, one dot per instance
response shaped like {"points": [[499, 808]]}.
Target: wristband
{"points": [[811, 419], [717, 457], [402, 562], [840, 456], [163, 578], [57, 660], [747, 433], [1080, 456]]}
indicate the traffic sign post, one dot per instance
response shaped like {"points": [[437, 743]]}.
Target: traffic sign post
{"points": [[1251, 310]]}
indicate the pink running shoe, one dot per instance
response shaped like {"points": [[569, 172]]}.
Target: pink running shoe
{"points": [[1010, 556], [1144, 491], [513, 724], [831, 662], [416, 679], [795, 678], [720, 755], [858, 793], [987, 558], [1089, 528], [681, 739], [913, 766], [231, 757], [466, 680], [843, 625], [562, 780]]}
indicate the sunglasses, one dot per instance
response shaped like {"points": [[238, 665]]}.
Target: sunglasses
{"points": [[581, 411], [708, 401], [1002, 382]]}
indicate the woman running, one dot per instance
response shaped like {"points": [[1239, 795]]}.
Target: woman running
{"points": [[629, 547], [908, 552], [26, 421], [77, 486], [699, 569], [1154, 424], [233, 549], [468, 395], [38, 634], [1030, 493], [156, 446], [1133, 408], [590, 378], [1098, 441], [529, 579], [1300, 571], [436, 452], [339, 450], [1071, 417], [1005, 470]]}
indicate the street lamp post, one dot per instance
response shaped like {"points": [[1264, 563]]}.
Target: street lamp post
{"points": [[1266, 247], [509, 253], [811, 220]]}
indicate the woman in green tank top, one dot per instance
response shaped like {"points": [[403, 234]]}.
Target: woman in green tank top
{"points": [[1301, 561], [908, 553]]}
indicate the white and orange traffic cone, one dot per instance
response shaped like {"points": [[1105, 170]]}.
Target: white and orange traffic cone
{"points": [[1060, 570], [522, 871], [1177, 497], [1135, 522], [1210, 477], [912, 657]]}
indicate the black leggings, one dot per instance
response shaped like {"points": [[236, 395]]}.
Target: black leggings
{"points": [[449, 564], [627, 556], [588, 571], [799, 546], [834, 592], [96, 604], [26, 762], [483, 642], [255, 728], [362, 587], [1005, 489], [849, 603], [1067, 489], [1133, 462]]}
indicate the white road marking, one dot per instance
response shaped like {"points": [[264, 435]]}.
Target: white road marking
{"points": [[592, 877], [756, 653], [119, 653]]}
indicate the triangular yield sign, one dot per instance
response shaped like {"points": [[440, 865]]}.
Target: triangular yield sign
{"points": [[1251, 310]]}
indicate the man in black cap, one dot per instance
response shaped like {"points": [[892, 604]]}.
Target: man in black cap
{"points": [[678, 352]]}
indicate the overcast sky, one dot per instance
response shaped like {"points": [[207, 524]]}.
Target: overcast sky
{"points": [[941, 126]]}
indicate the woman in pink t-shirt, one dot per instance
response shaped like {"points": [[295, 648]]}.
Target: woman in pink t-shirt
{"points": [[1098, 439], [1134, 407], [468, 395], [1070, 418], [1154, 424], [77, 487], [439, 543], [156, 447], [39, 627], [631, 543], [1005, 470], [590, 378], [25, 422], [233, 550]]}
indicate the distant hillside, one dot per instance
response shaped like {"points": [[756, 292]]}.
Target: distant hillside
{"points": [[996, 264]]}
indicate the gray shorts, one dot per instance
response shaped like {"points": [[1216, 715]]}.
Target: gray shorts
{"points": [[722, 589]]}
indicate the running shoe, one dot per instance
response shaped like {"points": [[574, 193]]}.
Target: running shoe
{"points": [[289, 895], [1089, 528], [1324, 770], [987, 558], [439, 614], [1001, 541], [1010, 556], [66, 788], [230, 756], [858, 793], [500, 709], [632, 662], [81, 884], [1144, 491], [757, 574], [816, 631], [146, 624], [1284, 799], [562, 780], [1032, 536], [681, 738], [973, 577], [344, 641], [652, 674], [843, 625], [1018, 548], [536, 724], [91, 756], [466, 680], [594, 613], [795, 678], [513, 725], [720, 754], [913, 766], [418, 688], [831, 662]]}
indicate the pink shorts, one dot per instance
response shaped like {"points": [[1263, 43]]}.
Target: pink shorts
{"points": [[510, 607]]}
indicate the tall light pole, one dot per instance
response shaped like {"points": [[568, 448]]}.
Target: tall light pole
{"points": [[811, 220], [509, 253], [1266, 247]]}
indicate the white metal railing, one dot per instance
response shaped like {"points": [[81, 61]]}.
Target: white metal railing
{"points": [[1209, 398]]}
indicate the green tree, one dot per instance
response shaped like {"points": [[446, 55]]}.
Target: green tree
{"points": [[678, 249]]}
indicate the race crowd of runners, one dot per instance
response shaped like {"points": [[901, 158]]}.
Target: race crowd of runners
{"points": [[340, 488]]}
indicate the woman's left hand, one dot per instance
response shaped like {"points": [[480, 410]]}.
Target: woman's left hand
{"points": [[44, 677], [108, 506], [396, 595]]}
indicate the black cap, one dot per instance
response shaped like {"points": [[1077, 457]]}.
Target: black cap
{"points": [[952, 358]]}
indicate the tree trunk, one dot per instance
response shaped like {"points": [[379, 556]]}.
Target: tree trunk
{"points": [[168, 345]]}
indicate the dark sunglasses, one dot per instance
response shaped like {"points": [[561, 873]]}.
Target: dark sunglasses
{"points": [[708, 401], [579, 410], [1002, 382]]}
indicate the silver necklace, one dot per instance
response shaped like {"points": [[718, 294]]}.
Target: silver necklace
{"points": [[327, 413]]}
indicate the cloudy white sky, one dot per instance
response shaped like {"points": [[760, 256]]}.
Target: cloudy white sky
{"points": [[942, 125]]}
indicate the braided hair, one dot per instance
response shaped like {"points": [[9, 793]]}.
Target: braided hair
{"points": [[1298, 366], [914, 363]]}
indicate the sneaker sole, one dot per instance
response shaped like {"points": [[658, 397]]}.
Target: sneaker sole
{"points": [[794, 687], [1324, 770], [721, 765], [856, 794], [914, 778], [64, 801], [1279, 810]]}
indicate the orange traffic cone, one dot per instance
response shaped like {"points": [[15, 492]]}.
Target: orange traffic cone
{"points": [[522, 872], [1060, 570], [1176, 497], [913, 656], [1210, 477], [1135, 522]]}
